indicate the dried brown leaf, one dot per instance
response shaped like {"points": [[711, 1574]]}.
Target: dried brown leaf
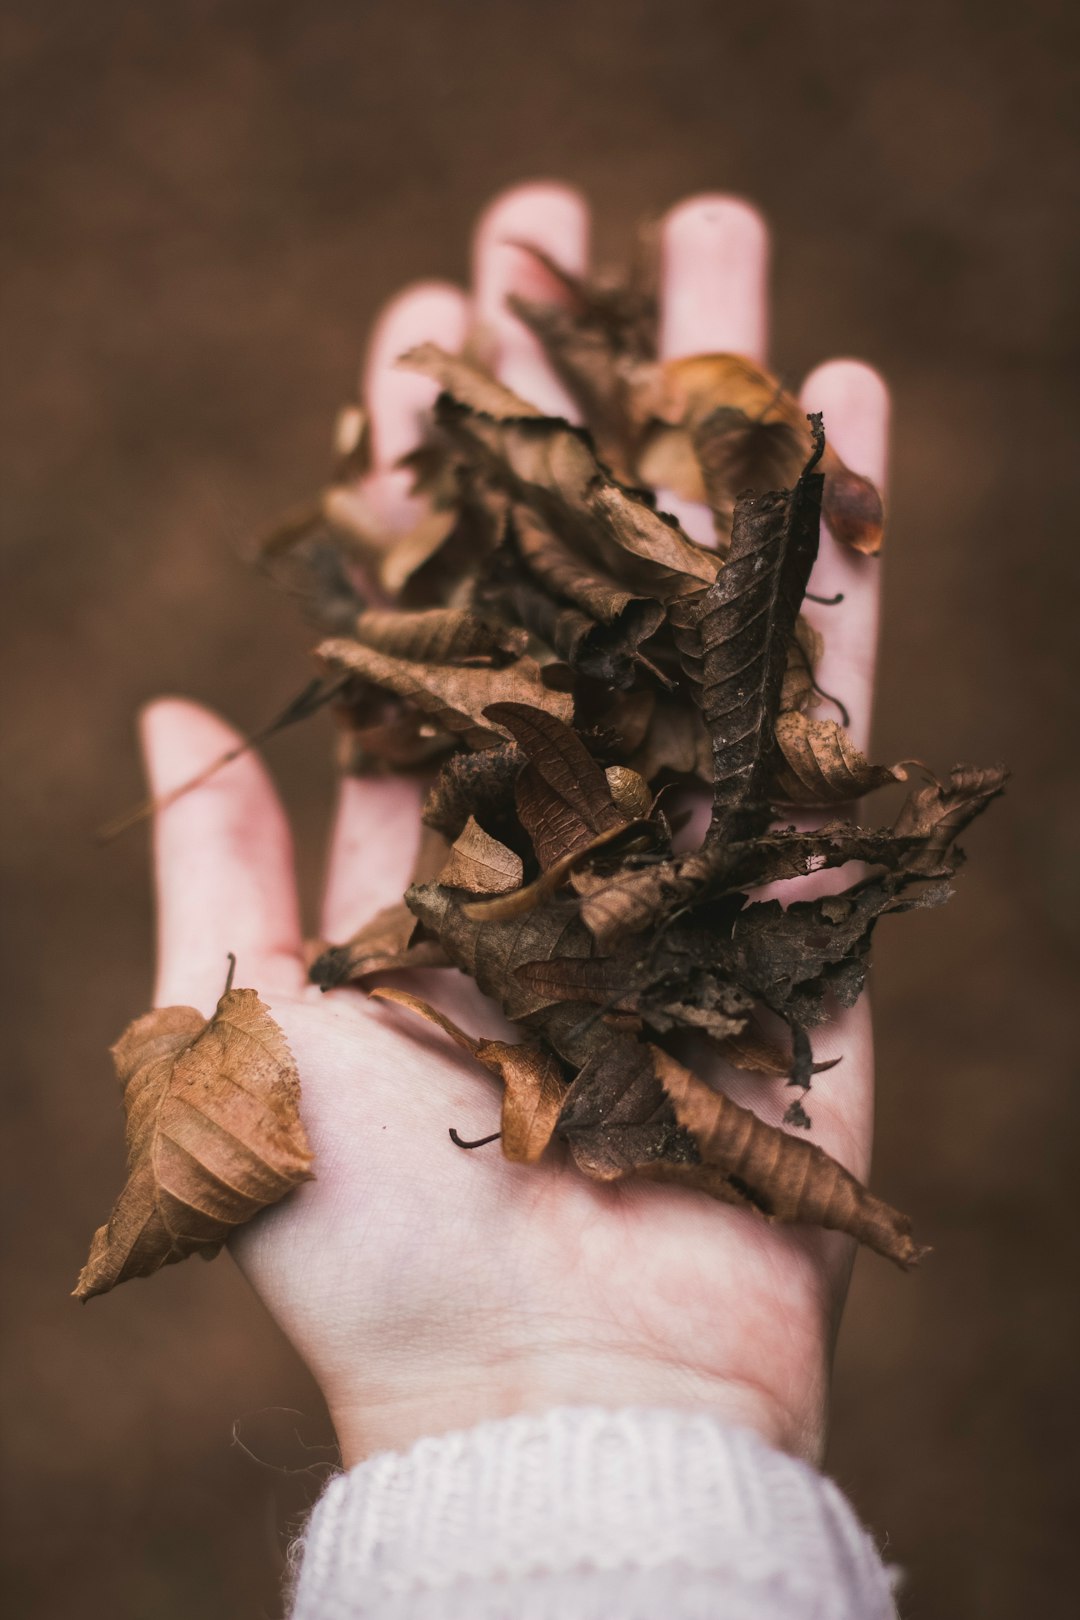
{"points": [[822, 766], [482, 783], [786, 1177], [454, 698], [551, 467], [533, 1087], [491, 951], [937, 814], [718, 389], [436, 635], [480, 864], [213, 1135], [757, 1053], [746, 624]]}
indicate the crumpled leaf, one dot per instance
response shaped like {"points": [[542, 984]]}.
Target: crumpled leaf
{"points": [[784, 1176], [757, 1053], [453, 697], [746, 434], [436, 635], [387, 940], [491, 951], [480, 864], [213, 1136], [533, 1087], [549, 465], [390, 939], [822, 766], [482, 783], [937, 814], [789, 957]]}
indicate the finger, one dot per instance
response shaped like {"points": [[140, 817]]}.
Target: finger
{"points": [[555, 219], [714, 264], [372, 852], [429, 312], [854, 403], [377, 823], [396, 400], [714, 253], [223, 864]]}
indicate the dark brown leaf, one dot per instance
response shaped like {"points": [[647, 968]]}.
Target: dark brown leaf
{"points": [[746, 624], [568, 801], [480, 783]]}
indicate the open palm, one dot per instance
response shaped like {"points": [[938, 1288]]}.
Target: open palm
{"points": [[428, 1287]]}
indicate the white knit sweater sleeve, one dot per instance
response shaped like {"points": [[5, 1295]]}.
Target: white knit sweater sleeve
{"points": [[585, 1513]]}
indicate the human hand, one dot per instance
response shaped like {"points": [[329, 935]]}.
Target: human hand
{"points": [[429, 1288]]}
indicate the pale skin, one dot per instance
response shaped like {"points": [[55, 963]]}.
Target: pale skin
{"points": [[429, 1288]]}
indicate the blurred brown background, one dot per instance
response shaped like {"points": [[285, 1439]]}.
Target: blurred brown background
{"points": [[204, 205]]}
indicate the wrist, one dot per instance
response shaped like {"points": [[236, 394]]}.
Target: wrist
{"points": [[368, 1422]]}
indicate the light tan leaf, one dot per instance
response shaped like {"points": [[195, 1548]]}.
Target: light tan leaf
{"points": [[213, 1135], [630, 792], [786, 1176], [481, 864], [533, 1088], [822, 766]]}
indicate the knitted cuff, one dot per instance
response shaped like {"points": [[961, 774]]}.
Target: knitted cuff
{"points": [[585, 1513]]}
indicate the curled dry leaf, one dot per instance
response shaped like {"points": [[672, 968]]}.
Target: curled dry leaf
{"points": [[937, 814], [783, 1176], [533, 1088], [822, 766], [481, 864], [453, 697], [213, 1136]]}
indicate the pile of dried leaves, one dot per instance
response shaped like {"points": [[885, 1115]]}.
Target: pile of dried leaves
{"points": [[564, 661]]}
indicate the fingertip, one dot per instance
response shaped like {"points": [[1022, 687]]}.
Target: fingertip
{"points": [[553, 215], [715, 261], [716, 214], [546, 215], [854, 401], [178, 738]]}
